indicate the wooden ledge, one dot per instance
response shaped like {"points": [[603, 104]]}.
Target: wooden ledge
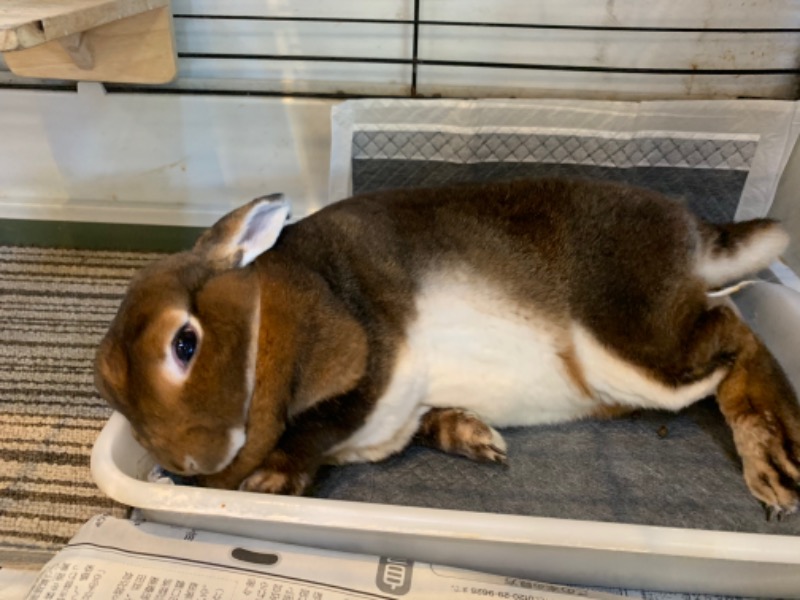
{"points": [[120, 41]]}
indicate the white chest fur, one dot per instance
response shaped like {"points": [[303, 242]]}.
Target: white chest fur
{"points": [[482, 352], [471, 347]]}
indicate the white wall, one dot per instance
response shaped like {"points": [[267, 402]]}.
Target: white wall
{"points": [[156, 159]]}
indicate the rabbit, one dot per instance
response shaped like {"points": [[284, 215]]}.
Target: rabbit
{"points": [[435, 316]]}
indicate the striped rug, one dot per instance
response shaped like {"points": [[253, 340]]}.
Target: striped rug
{"points": [[54, 308]]}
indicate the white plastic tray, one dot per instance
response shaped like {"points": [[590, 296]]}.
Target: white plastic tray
{"points": [[556, 550]]}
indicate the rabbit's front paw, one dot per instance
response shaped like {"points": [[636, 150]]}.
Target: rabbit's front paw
{"points": [[278, 475], [458, 431]]}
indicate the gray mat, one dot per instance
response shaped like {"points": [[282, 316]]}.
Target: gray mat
{"points": [[653, 468], [711, 193]]}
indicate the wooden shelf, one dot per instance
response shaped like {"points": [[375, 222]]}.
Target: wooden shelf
{"points": [[122, 41]]}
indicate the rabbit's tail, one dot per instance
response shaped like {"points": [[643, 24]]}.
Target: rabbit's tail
{"points": [[734, 250]]}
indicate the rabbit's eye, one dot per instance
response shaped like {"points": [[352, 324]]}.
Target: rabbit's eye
{"points": [[185, 344]]}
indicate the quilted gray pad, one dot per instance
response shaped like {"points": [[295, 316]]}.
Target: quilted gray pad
{"points": [[623, 151], [654, 468], [711, 193]]}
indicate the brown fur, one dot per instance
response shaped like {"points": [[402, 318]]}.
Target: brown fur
{"points": [[197, 416], [306, 333], [611, 411], [575, 371], [336, 295], [727, 239]]}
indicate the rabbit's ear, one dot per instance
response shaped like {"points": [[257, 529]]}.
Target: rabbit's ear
{"points": [[240, 236]]}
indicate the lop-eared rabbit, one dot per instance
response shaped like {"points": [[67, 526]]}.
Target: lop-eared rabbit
{"points": [[434, 316]]}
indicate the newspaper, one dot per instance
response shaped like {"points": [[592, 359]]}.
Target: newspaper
{"points": [[115, 559]]}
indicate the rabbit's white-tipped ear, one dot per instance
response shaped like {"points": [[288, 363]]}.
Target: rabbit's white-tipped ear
{"points": [[239, 237], [262, 226]]}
